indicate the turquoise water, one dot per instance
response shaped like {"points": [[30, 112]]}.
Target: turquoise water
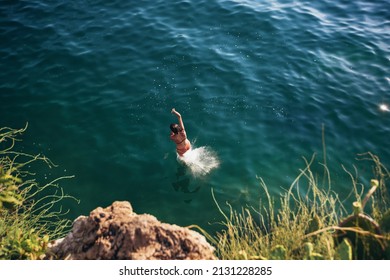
{"points": [[255, 81]]}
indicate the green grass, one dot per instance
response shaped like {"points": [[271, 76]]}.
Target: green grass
{"points": [[30, 214], [303, 222]]}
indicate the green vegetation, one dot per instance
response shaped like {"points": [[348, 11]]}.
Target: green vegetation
{"points": [[311, 222], [29, 213]]}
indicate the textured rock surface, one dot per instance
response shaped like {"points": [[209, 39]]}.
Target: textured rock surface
{"points": [[116, 232]]}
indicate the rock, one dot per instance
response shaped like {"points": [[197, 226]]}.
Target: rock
{"points": [[117, 233]]}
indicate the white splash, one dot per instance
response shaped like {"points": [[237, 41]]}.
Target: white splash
{"points": [[200, 160]]}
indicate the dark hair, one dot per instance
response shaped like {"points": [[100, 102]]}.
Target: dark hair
{"points": [[175, 128]]}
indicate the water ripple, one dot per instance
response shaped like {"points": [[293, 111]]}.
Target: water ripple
{"points": [[254, 80]]}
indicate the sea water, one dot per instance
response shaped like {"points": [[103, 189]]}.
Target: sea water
{"points": [[257, 82]]}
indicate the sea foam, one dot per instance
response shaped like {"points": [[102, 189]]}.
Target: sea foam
{"points": [[200, 161]]}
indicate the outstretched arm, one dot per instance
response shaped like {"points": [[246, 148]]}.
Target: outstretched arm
{"points": [[178, 117]]}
